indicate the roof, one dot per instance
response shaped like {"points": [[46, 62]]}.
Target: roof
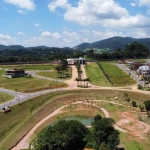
{"points": [[16, 69]]}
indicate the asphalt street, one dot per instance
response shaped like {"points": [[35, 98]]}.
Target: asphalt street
{"points": [[21, 97]]}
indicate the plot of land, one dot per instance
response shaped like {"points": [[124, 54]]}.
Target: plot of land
{"points": [[30, 67], [95, 74], [53, 74], [28, 84], [115, 75], [5, 97]]}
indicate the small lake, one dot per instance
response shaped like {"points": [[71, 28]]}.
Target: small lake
{"points": [[83, 119]]}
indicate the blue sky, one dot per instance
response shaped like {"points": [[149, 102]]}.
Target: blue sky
{"points": [[67, 23]]}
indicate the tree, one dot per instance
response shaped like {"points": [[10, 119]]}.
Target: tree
{"points": [[104, 133], [134, 104], [147, 105], [64, 135]]}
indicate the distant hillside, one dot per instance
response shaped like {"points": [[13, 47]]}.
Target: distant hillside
{"points": [[11, 47], [113, 43]]}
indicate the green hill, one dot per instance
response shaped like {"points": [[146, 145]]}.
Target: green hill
{"points": [[113, 43]]}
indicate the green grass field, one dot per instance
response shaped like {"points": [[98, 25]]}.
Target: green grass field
{"points": [[30, 67], [53, 74], [5, 97], [116, 76], [23, 117], [96, 76], [27, 85]]}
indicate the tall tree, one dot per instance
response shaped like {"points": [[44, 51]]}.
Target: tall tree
{"points": [[64, 135]]}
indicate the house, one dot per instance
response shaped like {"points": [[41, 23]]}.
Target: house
{"points": [[71, 61], [122, 61], [15, 73]]}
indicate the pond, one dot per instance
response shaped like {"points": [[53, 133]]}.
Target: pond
{"points": [[83, 119]]}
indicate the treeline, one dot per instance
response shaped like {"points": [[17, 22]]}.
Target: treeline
{"points": [[134, 50], [38, 54]]}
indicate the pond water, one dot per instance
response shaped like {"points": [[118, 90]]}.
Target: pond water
{"points": [[83, 119]]}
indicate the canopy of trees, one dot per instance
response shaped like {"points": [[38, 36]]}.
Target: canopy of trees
{"points": [[73, 135], [64, 135], [133, 50]]}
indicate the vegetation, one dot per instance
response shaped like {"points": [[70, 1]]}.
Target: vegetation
{"points": [[115, 75], [66, 135], [113, 43], [30, 67], [134, 50], [5, 97], [96, 75], [26, 85], [147, 105], [53, 74], [23, 117]]}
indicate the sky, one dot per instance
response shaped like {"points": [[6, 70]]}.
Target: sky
{"points": [[68, 23]]}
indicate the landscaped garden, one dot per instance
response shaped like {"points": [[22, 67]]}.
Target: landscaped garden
{"points": [[115, 75], [5, 97], [96, 75], [24, 116], [28, 84]]}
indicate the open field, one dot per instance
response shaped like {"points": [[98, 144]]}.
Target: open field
{"points": [[115, 75], [96, 76], [5, 97], [53, 74], [23, 117], [27, 85], [30, 67]]}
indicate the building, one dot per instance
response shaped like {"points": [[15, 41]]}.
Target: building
{"points": [[71, 61], [15, 73], [144, 70]]}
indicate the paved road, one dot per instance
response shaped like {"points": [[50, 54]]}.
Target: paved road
{"points": [[135, 77], [21, 97]]}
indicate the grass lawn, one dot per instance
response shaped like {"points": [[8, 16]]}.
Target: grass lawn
{"points": [[30, 67], [27, 85], [115, 75], [96, 76], [53, 74], [23, 117], [5, 97]]}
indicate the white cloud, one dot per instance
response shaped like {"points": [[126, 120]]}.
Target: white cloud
{"points": [[21, 11], [25, 4], [36, 25], [20, 33], [133, 4], [7, 40], [47, 34], [106, 34], [58, 3], [144, 3], [100, 12]]}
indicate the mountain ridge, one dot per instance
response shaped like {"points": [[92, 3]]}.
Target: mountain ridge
{"points": [[113, 43]]}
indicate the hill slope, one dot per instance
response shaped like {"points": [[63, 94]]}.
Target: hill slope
{"points": [[113, 43], [12, 47]]}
